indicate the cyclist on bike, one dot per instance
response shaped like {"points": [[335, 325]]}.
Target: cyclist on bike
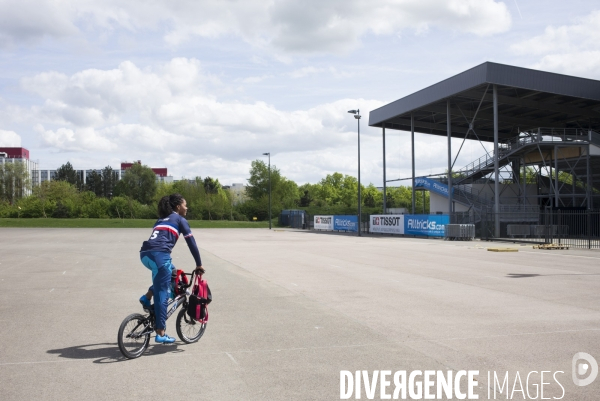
{"points": [[156, 256]]}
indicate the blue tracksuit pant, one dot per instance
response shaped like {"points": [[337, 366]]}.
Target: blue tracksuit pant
{"points": [[160, 265]]}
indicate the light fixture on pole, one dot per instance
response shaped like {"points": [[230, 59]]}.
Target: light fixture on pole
{"points": [[357, 116], [269, 154]]}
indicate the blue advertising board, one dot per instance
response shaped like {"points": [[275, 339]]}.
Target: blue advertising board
{"points": [[345, 223], [432, 185], [432, 225]]}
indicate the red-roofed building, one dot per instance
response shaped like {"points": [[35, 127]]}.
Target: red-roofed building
{"points": [[21, 155], [161, 172], [15, 153]]}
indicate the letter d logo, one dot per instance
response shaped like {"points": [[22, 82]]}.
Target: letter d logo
{"points": [[580, 368]]}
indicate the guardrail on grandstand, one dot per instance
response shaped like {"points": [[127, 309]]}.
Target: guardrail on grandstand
{"points": [[574, 228]]}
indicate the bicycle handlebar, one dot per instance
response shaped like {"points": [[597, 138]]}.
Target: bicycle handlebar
{"points": [[191, 279]]}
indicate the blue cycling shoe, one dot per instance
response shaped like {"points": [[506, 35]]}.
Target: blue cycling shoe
{"points": [[164, 339], [145, 302]]}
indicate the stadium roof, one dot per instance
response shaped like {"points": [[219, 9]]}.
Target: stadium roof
{"points": [[527, 99]]}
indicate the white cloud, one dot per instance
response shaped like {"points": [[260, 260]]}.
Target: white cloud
{"points": [[172, 115], [286, 25], [30, 20], [10, 139], [571, 49], [174, 110], [83, 139], [304, 71]]}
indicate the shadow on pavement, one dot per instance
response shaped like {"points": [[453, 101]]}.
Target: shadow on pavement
{"points": [[109, 352]]}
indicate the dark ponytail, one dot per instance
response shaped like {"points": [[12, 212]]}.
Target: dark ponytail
{"points": [[167, 205]]}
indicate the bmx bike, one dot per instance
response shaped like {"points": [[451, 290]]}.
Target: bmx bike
{"points": [[136, 329]]}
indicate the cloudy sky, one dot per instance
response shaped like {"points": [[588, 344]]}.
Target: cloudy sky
{"points": [[205, 87]]}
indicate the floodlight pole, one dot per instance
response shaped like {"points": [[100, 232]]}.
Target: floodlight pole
{"points": [[269, 154], [357, 116]]}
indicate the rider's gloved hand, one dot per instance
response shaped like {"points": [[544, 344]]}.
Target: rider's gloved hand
{"points": [[200, 270]]}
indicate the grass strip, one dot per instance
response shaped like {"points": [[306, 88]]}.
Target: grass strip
{"points": [[127, 223]]}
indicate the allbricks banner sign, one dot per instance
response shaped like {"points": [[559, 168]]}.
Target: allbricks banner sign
{"points": [[432, 185], [324, 223], [345, 223], [426, 225], [387, 224]]}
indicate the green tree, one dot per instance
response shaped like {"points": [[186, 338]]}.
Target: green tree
{"points": [[284, 192], [307, 194], [14, 181], [138, 183], [371, 196], [94, 183], [211, 185], [194, 194], [339, 189], [67, 173], [109, 180], [51, 193], [258, 183]]}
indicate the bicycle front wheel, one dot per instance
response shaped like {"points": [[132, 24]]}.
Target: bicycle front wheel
{"points": [[134, 335], [188, 330]]}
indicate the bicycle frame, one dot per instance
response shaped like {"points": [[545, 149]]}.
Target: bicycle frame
{"points": [[172, 306]]}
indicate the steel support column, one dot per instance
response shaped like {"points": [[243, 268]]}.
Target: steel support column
{"points": [[449, 131], [412, 147], [496, 168], [524, 181], [556, 176], [588, 190], [384, 177]]}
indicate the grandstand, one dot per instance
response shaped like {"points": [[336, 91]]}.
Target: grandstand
{"points": [[545, 131]]}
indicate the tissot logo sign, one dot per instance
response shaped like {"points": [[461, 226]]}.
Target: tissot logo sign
{"points": [[388, 223], [323, 223]]}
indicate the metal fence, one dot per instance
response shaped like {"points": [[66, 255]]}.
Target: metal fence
{"points": [[575, 228]]}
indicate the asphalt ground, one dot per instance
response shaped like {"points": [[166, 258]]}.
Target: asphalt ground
{"points": [[290, 311]]}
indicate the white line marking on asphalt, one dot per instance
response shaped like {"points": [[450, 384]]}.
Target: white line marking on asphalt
{"points": [[52, 290], [333, 346], [29, 363], [231, 357], [64, 272], [295, 284]]}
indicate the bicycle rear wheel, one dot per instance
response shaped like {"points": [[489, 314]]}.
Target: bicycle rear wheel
{"points": [[188, 330], [134, 335]]}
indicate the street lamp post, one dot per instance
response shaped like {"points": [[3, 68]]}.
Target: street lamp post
{"points": [[357, 116], [269, 154]]}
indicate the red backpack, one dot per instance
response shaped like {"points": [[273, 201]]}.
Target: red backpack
{"points": [[198, 301]]}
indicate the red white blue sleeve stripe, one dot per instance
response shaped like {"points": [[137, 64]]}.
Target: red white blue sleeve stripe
{"points": [[165, 227]]}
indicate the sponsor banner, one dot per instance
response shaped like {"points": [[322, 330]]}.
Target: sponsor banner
{"points": [[433, 225], [323, 223], [387, 223], [345, 223], [432, 186]]}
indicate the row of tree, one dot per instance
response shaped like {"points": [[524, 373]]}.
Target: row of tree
{"points": [[137, 193]]}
